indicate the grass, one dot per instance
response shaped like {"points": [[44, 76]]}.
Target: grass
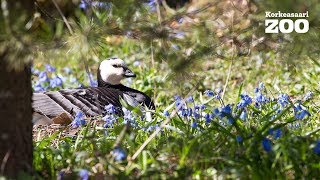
{"points": [[270, 141], [246, 130], [241, 129]]}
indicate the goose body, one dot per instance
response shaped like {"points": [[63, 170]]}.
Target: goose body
{"points": [[92, 100]]}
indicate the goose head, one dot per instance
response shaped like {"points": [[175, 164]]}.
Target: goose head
{"points": [[112, 71]]}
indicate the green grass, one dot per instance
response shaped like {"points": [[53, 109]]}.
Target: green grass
{"points": [[212, 149], [274, 141]]}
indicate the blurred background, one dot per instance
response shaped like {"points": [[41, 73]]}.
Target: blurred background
{"points": [[174, 46]]}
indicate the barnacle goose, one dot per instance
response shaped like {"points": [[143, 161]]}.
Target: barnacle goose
{"points": [[92, 100]]}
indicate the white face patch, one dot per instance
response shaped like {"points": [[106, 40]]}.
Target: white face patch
{"points": [[112, 70]]}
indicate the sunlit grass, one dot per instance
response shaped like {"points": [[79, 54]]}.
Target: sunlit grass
{"points": [[268, 141]]}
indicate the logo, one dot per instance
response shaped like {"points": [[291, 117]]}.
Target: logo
{"points": [[286, 25]]}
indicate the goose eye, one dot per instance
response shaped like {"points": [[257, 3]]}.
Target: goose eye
{"points": [[116, 65]]}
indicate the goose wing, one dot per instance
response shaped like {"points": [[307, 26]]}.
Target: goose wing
{"points": [[140, 98], [91, 101]]}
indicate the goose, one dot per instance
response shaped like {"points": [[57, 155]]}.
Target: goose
{"points": [[91, 100]]}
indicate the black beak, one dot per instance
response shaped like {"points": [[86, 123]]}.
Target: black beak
{"points": [[129, 73]]}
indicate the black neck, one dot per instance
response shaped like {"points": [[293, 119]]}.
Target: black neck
{"points": [[101, 83]]}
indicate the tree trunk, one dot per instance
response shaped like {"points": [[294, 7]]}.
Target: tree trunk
{"points": [[16, 151], [15, 120]]}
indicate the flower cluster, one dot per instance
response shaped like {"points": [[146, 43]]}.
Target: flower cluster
{"points": [[300, 111], [110, 118], [83, 174], [152, 4], [226, 115], [85, 4], [79, 120], [119, 154], [113, 114], [198, 113], [188, 109], [245, 101], [51, 79], [44, 82]]}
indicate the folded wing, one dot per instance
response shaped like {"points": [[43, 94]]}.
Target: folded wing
{"points": [[90, 101]]}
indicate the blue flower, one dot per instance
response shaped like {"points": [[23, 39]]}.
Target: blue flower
{"points": [[152, 4], [308, 96], [217, 96], [166, 113], [180, 105], [256, 90], [301, 115], [84, 4], [83, 174], [208, 118], [110, 108], [38, 87], [76, 123], [55, 82], [177, 98], [202, 106], [218, 90], [261, 86], [152, 128], [244, 102], [198, 107], [128, 116], [230, 120], [50, 68], [209, 93], [179, 35], [196, 115], [67, 70], [79, 115], [216, 111], [226, 109], [316, 149], [73, 80], [43, 77], [94, 83], [260, 99], [243, 115], [276, 133], [35, 71], [109, 120], [186, 112], [266, 144], [119, 154], [190, 99], [239, 139], [104, 5], [194, 124], [300, 112], [136, 63], [278, 111], [283, 99], [176, 47], [78, 120], [60, 175]]}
